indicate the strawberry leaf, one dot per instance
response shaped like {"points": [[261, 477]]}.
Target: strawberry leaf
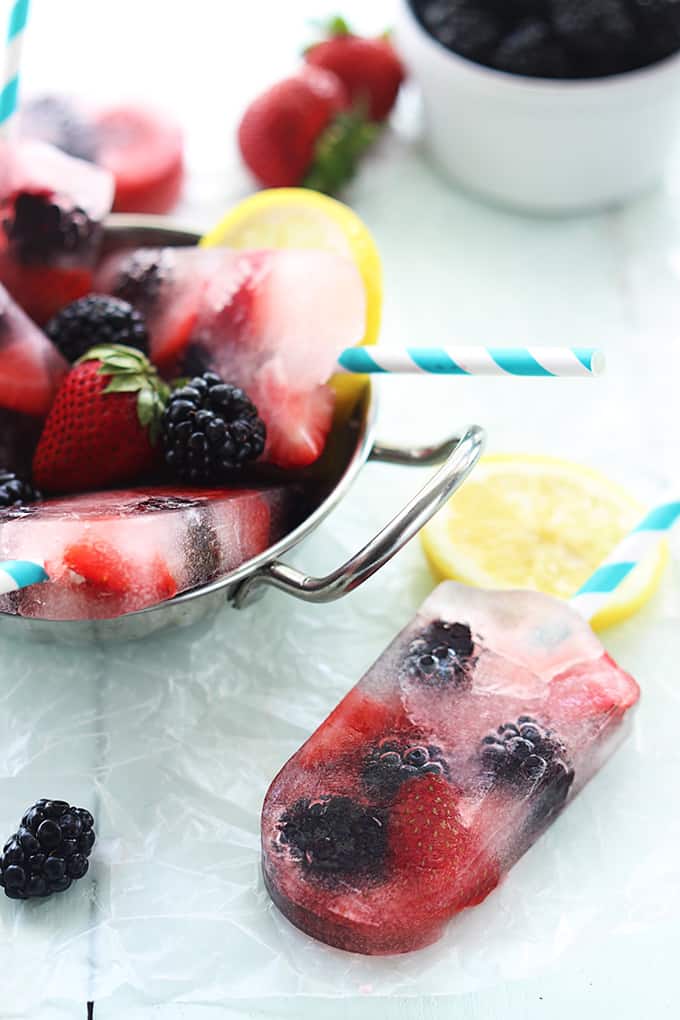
{"points": [[124, 384], [338, 150]]}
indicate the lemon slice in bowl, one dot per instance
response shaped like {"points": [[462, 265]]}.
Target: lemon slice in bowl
{"points": [[523, 521], [302, 218]]}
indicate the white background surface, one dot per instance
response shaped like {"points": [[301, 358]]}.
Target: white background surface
{"points": [[139, 727]]}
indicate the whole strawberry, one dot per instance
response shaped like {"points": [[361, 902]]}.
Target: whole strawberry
{"points": [[301, 131], [369, 69], [103, 426]]}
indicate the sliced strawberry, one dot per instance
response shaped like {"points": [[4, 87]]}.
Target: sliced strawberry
{"points": [[297, 423], [42, 291], [31, 368], [359, 721], [592, 690], [101, 567], [144, 151]]}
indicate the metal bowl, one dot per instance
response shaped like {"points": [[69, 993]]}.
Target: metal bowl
{"points": [[354, 444]]}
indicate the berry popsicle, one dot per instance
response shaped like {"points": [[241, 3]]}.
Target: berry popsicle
{"points": [[31, 369], [463, 742], [272, 322], [109, 553], [51, 210]]}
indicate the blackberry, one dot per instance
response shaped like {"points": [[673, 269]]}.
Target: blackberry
{"points": [[97, 319], [530, 760], [40, 228], [16, 491], [208, 429], [658, 26], [49, 851], [463, 26], [57, 120], [142, 277], [441, 655], [531, 49], [392, 762], [599, 35], [334, 836]]}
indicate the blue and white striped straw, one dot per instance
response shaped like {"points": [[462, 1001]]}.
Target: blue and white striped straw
{"points": [[548, 362], [598, 590], [9, 84], [15, 574]]}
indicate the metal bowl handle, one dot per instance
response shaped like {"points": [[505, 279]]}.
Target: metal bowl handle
{"points": [[463, 454]]}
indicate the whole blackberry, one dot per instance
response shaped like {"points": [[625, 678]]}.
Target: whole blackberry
{"points": [[462, 25], [48, 852], [208, 429], [392, 762], [97, 319], [600, 35], [531, 49], [530, 760], [16, 491], [142, 276], [441, 655], [334, 836], [57, 120], [39, 228]]}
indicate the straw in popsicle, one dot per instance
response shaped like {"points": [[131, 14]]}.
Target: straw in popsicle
{"points": [[9, 84], [15, 574], [546, 362]]}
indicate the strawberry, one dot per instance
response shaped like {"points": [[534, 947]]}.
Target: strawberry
{"points": [[104, 422], [425, 832], [300, 131], [101, 567], [369, 69], [592, 690]]}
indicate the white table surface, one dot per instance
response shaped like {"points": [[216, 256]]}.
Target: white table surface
{"points": [[142, 728]]}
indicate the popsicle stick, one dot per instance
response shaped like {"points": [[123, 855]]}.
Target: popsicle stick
{"points": [[599, 588], [15, 574], [9, 83], [546, 362]]}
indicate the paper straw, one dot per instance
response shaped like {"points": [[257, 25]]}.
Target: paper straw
{"points": [[553, 362], [9, 84], [598, 590], [15, 574]]}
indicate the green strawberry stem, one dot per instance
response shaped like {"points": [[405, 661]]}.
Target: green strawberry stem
{"points": [[338, 150], [131, 371]]}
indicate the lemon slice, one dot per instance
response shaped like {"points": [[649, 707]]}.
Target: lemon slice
{"points": [[524, 521], [301, 218]]}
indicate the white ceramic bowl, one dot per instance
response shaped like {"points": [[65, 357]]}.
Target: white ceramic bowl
{"points": [[543, 145]]}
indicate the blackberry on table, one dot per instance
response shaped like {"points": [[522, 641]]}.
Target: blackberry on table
{"points": [[441, 655], [392, 762], [16, 491], [334, 836], [48, 852], [97, 319], [531, 761], [38, 228], [208, 429]]}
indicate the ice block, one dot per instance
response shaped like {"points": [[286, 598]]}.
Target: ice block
{"points": [[51, 212], [464, 741], [274, 322], [109, 553], [31, 369]]}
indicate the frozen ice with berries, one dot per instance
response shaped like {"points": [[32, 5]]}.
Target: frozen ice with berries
{"points": [[51, 212], [31, 369], [115, 552], [445, 763], [271, 322]]}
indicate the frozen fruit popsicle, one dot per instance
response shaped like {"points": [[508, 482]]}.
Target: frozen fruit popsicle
{"points": [[51, 210], [31, 369], [440, 768], [272, 322], [109, 553]]}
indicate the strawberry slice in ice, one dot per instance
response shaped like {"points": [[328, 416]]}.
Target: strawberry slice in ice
{"points": [[451, 756], [109, 553]]}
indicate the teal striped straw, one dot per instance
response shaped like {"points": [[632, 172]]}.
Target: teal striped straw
{"points": [[15, 574], [629, 553], [547, 362], [9, 85]]}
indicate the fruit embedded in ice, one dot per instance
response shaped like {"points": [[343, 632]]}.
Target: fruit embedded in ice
{"points": [[51, 211], [31, 368], [440, 768], [166, 285], [275, 322], [115, 552]]}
